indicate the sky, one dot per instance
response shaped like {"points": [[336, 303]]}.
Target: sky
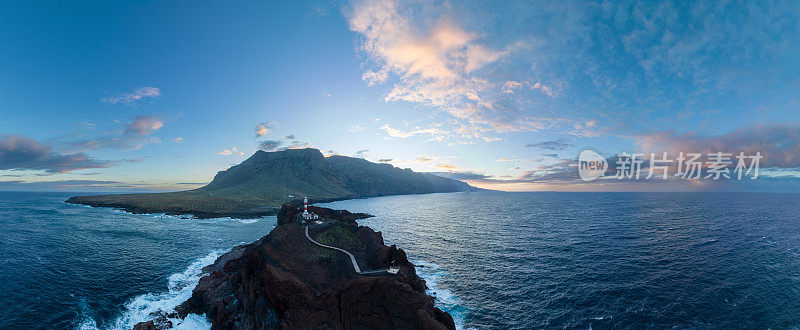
{"points": [[158, 96]]}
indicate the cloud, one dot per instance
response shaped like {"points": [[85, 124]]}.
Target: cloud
{"points": [[143, 125], [73, 185], [778, 143], [177, 139], [553, 172], [396, 133], [439, 63], [270, 145], [559, 144], [375, 77], [135, 134], [278, 145], [296, 145], [57, 183], [289, 137], [423, 159], [356, 128], [461, 175], [263, 128], [449, 167], [510, 86], [23, 153], [432, 60], [779, 169], [547, 90], [561, 170], [385, 160], [130, 99], [503, 67], [326, 94], [231, 151], [362, 153]]}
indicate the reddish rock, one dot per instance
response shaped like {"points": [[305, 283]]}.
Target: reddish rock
{"points": [[284, 281]]}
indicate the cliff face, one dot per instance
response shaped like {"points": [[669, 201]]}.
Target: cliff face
{"points": [[285, 281], [306, 172]]}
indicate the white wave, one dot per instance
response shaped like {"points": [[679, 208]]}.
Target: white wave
{"points": [[164, 215], [88, 323], [180, 286], [444, 298], [181, 216], [84, 321], [244, 221]]}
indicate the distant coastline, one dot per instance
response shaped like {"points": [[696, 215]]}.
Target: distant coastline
{"points": [[262, 183], [133, 203]]}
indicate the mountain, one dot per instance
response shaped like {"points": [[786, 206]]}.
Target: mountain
{"points": [[299, 172], [266, 180]]}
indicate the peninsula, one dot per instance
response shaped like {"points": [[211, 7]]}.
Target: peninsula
{"points": [[304, 275], [262, 183]]}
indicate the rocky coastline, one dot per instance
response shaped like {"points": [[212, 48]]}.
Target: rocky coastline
{"points": [[136, 208], [125, 203], [283, 281]]}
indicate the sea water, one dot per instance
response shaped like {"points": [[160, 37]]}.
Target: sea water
{"points": [[600, 260], [492, 260], [66, 266]]}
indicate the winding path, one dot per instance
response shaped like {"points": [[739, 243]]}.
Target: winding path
{"points": [[352, 258]]}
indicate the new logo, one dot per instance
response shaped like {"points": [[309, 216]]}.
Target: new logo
{"points": [[591, 165]]}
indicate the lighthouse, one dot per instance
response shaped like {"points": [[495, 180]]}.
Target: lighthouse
{"points": [[307, 215]]}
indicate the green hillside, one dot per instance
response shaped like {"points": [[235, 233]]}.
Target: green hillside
{"points": [[269, 179]]}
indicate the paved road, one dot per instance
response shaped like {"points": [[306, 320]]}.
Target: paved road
{"points": [[352, 258]]}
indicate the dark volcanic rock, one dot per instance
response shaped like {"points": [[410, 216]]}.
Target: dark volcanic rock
{"points": [[159, 322], [289, 212], [284, 281], [201, 208]]}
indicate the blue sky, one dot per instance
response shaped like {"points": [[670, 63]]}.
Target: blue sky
{"points": [[129, 96]]}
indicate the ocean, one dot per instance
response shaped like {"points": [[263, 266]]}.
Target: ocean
{"points": [[602, 260], [493, 260], [68, 266]]}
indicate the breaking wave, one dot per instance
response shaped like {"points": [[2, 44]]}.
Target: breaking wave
{"points": [[142, 308], [445, 299]]}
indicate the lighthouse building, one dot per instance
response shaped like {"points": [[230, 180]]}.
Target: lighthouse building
{"points": [[308, 215]]}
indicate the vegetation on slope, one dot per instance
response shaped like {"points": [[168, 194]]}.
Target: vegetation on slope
{"points": [[266, 180]]}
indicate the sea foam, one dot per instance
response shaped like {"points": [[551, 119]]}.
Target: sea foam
{"points": [[445, 299], [142, 307]]}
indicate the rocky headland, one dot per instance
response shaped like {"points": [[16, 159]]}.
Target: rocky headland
{"points": [[285, 281]]}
